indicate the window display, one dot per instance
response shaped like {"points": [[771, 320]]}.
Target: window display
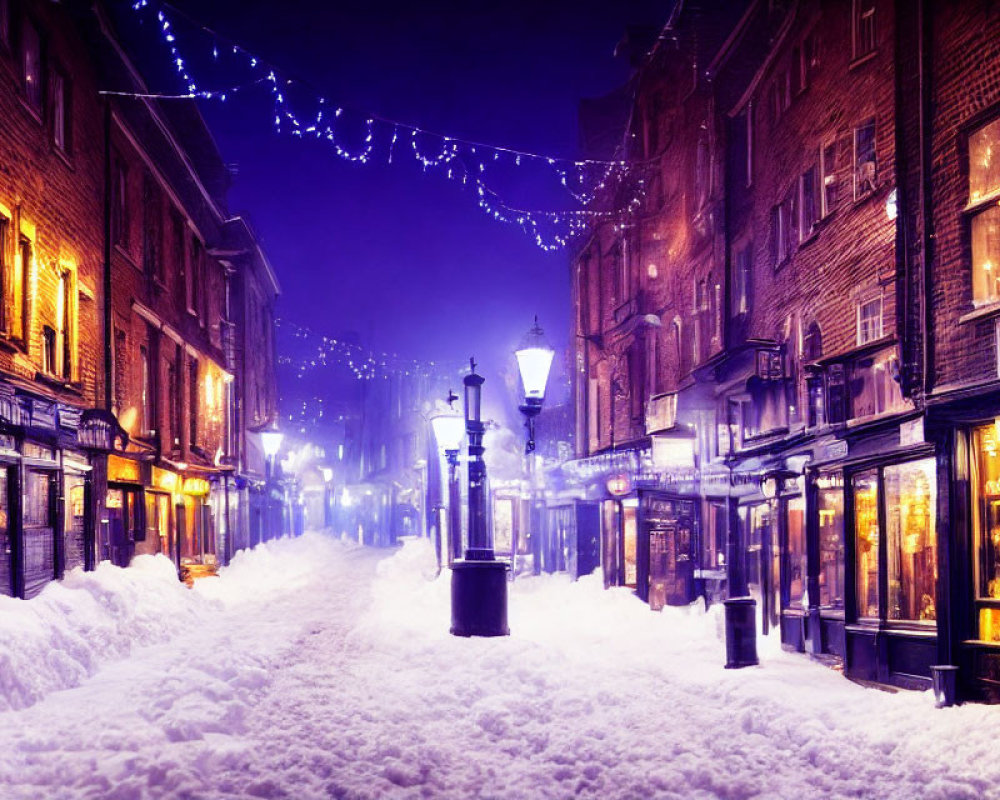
{"points": [[987, 509], [796, 511], [830, 497], [911, 540], [866, 534]]}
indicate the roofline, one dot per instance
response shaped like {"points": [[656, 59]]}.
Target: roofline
{"points": [[155, 114], [733, 39], [268, 268]]}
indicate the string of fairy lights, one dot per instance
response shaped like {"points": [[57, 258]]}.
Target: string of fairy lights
{"points": [[321, 357], [323, 352], [302, 111]]}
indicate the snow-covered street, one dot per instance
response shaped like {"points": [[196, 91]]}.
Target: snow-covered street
{"points": [[314, 668]]}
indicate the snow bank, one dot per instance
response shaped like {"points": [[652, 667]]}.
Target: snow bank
{"points": [[62, 636], [315, 668]]}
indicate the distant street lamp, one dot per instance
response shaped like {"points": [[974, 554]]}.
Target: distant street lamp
{"points": [[449, 430], [270, 440], [479, 581], [327, 496], [534, 360]]}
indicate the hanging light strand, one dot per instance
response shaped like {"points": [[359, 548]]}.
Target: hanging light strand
{"points": [[460, 160]]}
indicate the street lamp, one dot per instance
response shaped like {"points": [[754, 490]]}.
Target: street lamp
{"points": [[270, 440], [534, 360], [449, 430], [479, 581]]}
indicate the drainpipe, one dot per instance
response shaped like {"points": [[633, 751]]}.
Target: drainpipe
{"points": [[108, 367], [926, 217]]}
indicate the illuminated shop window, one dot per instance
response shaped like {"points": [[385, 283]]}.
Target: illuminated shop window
{"points": [[911, 540], [796, 527], [866, 538], [830, 497], [986, 524], [906, 499]]}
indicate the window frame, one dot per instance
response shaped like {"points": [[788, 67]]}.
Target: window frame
{"points": [[807, 228], [859, 306], [34, 98], [885, 547], [977, 207], [864, 29], [60, 99], [860, 192]]}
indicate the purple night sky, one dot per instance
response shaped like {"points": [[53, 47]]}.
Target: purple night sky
{"points": [[408, 261]]}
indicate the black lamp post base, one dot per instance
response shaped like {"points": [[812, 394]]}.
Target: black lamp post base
{"points": [[479, 598]]}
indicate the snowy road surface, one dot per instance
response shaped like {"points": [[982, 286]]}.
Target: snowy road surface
{"points": [[315, 669]]}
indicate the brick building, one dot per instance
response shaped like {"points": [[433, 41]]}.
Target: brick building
{"points": [[787, 370], [120, 409], [51, 250]]}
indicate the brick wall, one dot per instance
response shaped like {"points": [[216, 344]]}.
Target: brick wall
{"points": [[54, 198], [965, 85]]}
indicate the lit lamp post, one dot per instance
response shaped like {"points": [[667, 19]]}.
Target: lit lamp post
{"points": [[479, 581], [534, 360], [270, 440], [449, 430]]}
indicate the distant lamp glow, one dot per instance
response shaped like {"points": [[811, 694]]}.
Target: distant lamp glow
{"points": [[271, 442], [327, 474], [534, 360], [891, 205], [449, 430], [345, 498]]}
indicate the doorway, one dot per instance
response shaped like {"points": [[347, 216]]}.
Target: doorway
{"points": [[124, 523]]}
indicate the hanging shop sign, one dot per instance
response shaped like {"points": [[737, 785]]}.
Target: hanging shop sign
{"points": [[196, 486], [165, 480], [122, 470], [619, 485]]}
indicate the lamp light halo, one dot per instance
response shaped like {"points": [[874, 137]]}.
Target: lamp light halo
{"points": [[270, 441], [449, 430]]}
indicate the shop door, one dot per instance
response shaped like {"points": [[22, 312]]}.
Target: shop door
{"points": [[610, 542], [39, 530], [671, 570], [160, 533], [74, 521], [764, 564], [124, 524], [6, 551]]}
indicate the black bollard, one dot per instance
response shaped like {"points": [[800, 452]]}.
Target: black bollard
{"points": [[741, 632], [479, 598]]}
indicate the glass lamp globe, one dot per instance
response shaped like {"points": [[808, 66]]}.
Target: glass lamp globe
{"points": [[534, 360], [271, 442], [449, 429]]}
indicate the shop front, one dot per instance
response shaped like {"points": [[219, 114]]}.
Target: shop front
{"points": [[648, 544], [46, 525], [969, 454], [160, 515], [123, 525], [891, 636], [195, 525]]}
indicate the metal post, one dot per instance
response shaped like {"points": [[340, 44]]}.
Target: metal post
{"points": [[454, 509]]}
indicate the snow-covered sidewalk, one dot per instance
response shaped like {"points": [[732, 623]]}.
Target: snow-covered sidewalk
{"points": [[313, 668]]}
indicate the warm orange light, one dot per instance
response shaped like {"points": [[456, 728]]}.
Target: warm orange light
{"points": [[196, 486], [989, 624]]}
